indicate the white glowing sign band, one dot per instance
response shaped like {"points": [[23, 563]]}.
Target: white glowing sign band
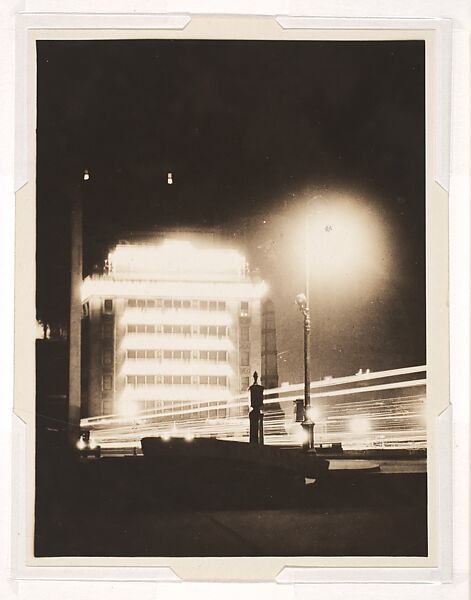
{"points": [[107, 286], [172, 341], [171, 393], [175, 258], [174, 367], [175, 317]]}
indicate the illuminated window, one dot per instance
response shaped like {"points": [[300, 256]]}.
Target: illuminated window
{"points": [[159, 302], [222, 381], [186, 354], [186, 329], [204, 305], [186, 303], [167, 304], [150, 353], [132, 329], [141, 354], [150, 379], [141, 303], [186, 379], [213, 330], [221, 305], [244, 309], [131, 380], [107, 383], [204, 379], [140, 328], [213, 380], [167, 379], [167, 354], [131, 354], [132, 303], [213, 355], [213, 305], [222, 356], [177, 304], [221, 331], [108, 306], [151, 303], [107, 357], [177, 379], [245, 359], [150, 328], [141, 379]]}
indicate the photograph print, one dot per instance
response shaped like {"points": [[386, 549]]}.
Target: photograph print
{"points": [[230, 298]]}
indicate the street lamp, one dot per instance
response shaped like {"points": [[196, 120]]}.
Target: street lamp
{"points": [[307, 424]]}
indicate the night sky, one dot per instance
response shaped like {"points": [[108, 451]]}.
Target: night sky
{"points": [[250, 131]]}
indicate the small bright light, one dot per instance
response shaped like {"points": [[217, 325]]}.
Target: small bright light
{"points": [[86, 175], [169, 178], [93, 445], [301, 301], [313, 413], [189, 437], [360, 425], [166, 437], [81, 444]]}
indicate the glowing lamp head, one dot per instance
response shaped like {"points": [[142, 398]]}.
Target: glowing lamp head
{"points": [[189, 437], [169, 178], [313, 413], [81, 444], [86, 175], [301, 301], [166, 437]]}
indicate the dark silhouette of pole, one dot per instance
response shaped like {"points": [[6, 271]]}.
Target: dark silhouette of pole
{"points": [[256, 412]]}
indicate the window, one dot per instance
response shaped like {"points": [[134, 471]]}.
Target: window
{"points": [[222, 356], [213, 380], [222, 331], [244, 309], [141, 353], [186, 303], [213, 355], [222, 381], [167, 379], [151, 303], [177, 379], [186, 354], [167, 304], [150, 328], [245, 359], [108, 330], [213, 330], [132, 329], [107, 383], [204, 379], [131, 380], [204, 305], [107, 357], [177, 304], [131, 354], [150, 379], [167, 354], [186, 379], [244, 334], [140, 379], [213, 305], [140, 328], [186, 329], [85, 310], [132, 303], [221, 305], [150, 353], [141, 303], [244, 384], [108, 306]]}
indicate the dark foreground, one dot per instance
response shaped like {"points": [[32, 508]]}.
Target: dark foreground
{"points": [[134, 507]]}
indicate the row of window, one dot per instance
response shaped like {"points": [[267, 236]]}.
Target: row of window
{"points": [[216, 330], [177, 380], [177, 304], [213, 355]]}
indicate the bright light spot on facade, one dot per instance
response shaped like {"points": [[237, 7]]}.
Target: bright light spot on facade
{"points": [[189, 437], [86, 175], [313, 413], [81, 444], [360, 425], [166, 437], [169, 178]]}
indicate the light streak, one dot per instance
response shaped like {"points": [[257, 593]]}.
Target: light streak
{"points": [[172, 316]]}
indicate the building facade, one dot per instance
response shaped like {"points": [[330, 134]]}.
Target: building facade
{"points": [[167, 327]]}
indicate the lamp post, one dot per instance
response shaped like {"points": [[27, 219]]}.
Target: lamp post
{"points": [[307, 424]]}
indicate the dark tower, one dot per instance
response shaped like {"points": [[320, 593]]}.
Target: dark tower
{"points": [[269, 354]]}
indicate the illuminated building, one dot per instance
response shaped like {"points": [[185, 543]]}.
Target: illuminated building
{"points": [[169, 325]]}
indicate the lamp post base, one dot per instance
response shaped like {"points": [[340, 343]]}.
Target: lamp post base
{"points": [[308, 438]]}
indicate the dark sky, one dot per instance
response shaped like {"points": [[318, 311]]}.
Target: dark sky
{"points": [[249, 130]]}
